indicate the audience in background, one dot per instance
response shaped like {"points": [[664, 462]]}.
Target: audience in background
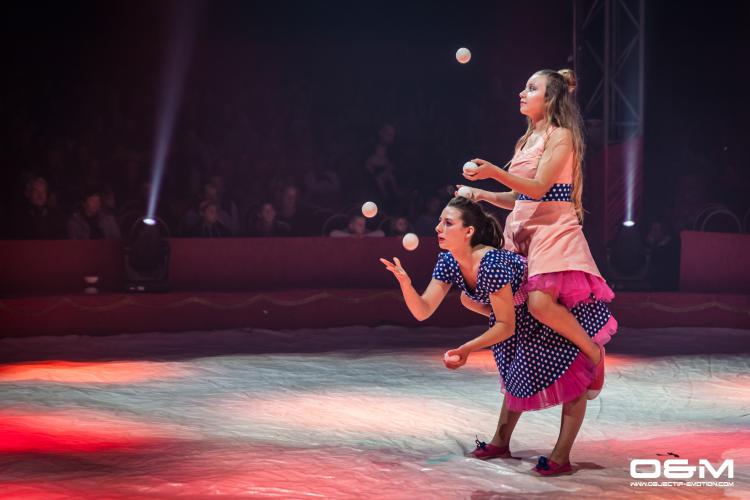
{"points": [[265, 135], [292, 213], [264, 223], [209, 225], [90, 222], [37, 220], [398, 226], [229, 214], [357, 228]]}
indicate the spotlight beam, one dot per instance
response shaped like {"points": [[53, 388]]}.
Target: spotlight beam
{"points": [[631, 168], [178, 50]]}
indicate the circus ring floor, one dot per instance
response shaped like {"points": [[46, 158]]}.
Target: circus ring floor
{"points": [[349, 412]]}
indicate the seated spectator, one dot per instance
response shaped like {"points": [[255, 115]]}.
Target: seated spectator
{"points": [[292, 213], [209, 225], [399, 226], [357, 228], [229, 214], [264, 223], [192, 218], [90, 222], [38, 220]]}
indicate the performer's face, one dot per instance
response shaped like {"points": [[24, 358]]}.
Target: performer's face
{"points": [[532, 97], [451, 232]]}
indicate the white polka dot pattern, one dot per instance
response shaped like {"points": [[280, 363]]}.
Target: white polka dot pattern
{"points": [[536, 356], [558, 192]]}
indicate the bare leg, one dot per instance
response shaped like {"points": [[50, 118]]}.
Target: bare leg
{"points": [[508, 419], [505, 425], [570, 424], [547, 310]]}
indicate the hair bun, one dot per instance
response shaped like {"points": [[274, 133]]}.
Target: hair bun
{"points": [[570, 78]]}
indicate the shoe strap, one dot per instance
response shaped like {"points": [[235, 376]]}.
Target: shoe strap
{"points": [[481, 445]]}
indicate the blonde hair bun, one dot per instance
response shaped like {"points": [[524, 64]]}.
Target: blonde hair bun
{"points": [[570, 78]]}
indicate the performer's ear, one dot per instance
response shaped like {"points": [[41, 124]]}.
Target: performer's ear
{"points": [[470, 231]]}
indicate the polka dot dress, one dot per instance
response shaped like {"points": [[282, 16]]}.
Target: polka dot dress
{"points": [[558, 192], [535, 356]]}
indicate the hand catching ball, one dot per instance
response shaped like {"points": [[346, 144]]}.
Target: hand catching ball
{"points": [[470, 166], [465, 192], [451, 359]]}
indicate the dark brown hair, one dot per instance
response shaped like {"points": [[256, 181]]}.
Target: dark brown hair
{"points": [[487, 230]]}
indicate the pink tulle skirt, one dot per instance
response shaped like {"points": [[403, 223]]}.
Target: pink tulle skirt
{"points": [[570, 386], [571, 288]]}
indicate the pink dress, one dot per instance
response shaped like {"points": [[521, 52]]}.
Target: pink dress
{"points": [[547, 232]]}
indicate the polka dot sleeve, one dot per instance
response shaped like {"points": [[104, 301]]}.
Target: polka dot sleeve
{"points": [[496, 272], [443, 271]]}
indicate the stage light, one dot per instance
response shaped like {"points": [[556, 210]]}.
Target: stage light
{"points": [[147, 256], [628, 260]]}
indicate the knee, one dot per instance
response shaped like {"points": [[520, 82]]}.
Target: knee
{"points": [[540, 305]]}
